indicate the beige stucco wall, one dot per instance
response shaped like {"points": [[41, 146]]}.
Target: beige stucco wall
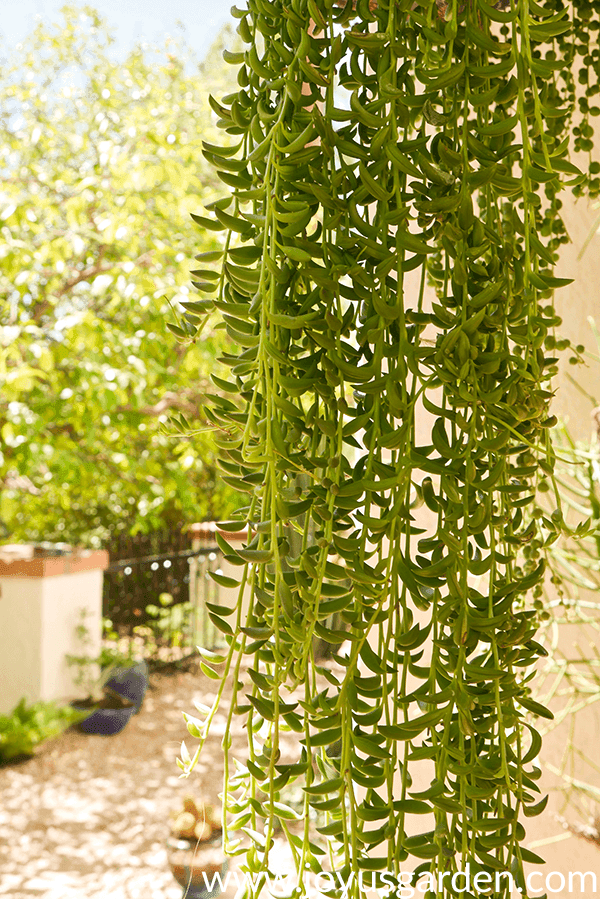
{"points": [[63, 599], [201, 584], [38, 620], [575, 304], [20, 656]]}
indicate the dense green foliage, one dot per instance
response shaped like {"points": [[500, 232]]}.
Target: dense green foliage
{"points": [[29, 725], [388, 270], [100, 171]]}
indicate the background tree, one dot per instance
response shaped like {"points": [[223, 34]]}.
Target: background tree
{"points": [[100, 171]]}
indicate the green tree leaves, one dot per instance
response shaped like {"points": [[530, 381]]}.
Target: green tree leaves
{"points": [[100, 176]]}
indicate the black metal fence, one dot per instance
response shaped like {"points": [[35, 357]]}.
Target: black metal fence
{"points": [[177, 563], [144, 566]]}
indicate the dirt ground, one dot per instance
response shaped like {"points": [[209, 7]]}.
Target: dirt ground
{"points": [[89, 815]]}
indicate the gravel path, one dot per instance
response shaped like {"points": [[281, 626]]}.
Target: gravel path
{"points": [[87, 818]]}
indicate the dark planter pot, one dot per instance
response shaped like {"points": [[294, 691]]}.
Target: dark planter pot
{"points": [[197, 865], [131, 682], [105, 722]]}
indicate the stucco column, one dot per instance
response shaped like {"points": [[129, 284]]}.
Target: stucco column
{"points": [[41, 598], [203, 534]]}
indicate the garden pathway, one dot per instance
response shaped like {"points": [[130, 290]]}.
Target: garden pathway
{"points": [[89, 815]]}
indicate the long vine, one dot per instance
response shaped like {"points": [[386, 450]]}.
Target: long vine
{"points": [[387, 275]]}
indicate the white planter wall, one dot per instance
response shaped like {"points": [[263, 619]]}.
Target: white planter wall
{"points": [[40, 608]]}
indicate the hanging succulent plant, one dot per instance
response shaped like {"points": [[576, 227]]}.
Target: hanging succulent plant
{"points": [[388, 261]]}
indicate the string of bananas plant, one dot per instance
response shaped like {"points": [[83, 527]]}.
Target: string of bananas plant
{"points": [[388, 251]]}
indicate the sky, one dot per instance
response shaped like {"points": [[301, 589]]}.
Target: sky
{"points": [[132, 20]]}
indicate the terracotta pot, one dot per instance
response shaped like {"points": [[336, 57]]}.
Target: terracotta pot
{"points": [[198, 867]]}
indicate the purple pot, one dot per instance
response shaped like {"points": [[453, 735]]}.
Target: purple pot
{"points": [[131, 683], [105, 721]]}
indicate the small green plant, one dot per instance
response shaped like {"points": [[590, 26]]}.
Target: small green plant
{"points": [[93, 671], [28, 726], [169, 621], [169, 627], [88, 678]]}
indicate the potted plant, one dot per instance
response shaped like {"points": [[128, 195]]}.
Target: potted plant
{"points": [[126, 676], [115, 684], [109, 710], [195, 850]]}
